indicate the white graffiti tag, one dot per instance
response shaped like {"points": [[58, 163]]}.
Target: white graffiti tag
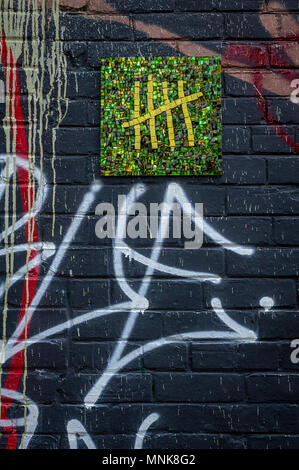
{"points": [[137, 301]]}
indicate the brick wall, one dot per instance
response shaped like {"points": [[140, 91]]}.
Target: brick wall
{"points": [[211, 392]]}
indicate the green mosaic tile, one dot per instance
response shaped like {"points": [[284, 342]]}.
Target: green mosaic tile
{"points": [[161, 116]]}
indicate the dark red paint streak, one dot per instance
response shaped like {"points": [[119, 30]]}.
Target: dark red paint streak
{"points": [[251, 55], [258, 81]]}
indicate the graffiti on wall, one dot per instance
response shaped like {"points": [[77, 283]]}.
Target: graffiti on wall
{"points": [[136, 304], [241, 61], [24, 184]]}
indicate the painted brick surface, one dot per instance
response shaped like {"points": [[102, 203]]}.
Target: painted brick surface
{"points": [[209, 362]]}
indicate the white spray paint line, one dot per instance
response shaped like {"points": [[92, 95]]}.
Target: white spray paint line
{"points": [[88, 199], [181, 197], [75, 431], [4, 172], [20, 273], [174, 192], [36, 261], [31, 418], [132, 254], [37, 246], [42, 195], [66, 325], [145, 425], [117, 366], [139, 302], [137, 305], [232, 324]]}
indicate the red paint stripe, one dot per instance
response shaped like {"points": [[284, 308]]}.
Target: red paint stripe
{"points": [[16, 367]]}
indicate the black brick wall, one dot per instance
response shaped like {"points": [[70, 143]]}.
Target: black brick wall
{"points": [[217, 393]]}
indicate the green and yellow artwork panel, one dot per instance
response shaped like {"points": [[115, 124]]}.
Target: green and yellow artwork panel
{"points": [[160, 116]]}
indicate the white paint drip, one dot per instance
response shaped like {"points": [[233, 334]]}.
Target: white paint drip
{"points": [[267, 303]]}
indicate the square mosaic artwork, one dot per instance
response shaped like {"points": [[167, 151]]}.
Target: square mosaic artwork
{"points": [[161, 116]]}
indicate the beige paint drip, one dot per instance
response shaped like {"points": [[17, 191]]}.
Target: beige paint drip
{"points": [[58, 67], [33, 85], [37, 61], [8, 24]]}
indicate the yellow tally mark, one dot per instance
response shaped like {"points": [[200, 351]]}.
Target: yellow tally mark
{"points": [[150, 106], [168, 106], [186, 113], [168, 116], [137, 114]]}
